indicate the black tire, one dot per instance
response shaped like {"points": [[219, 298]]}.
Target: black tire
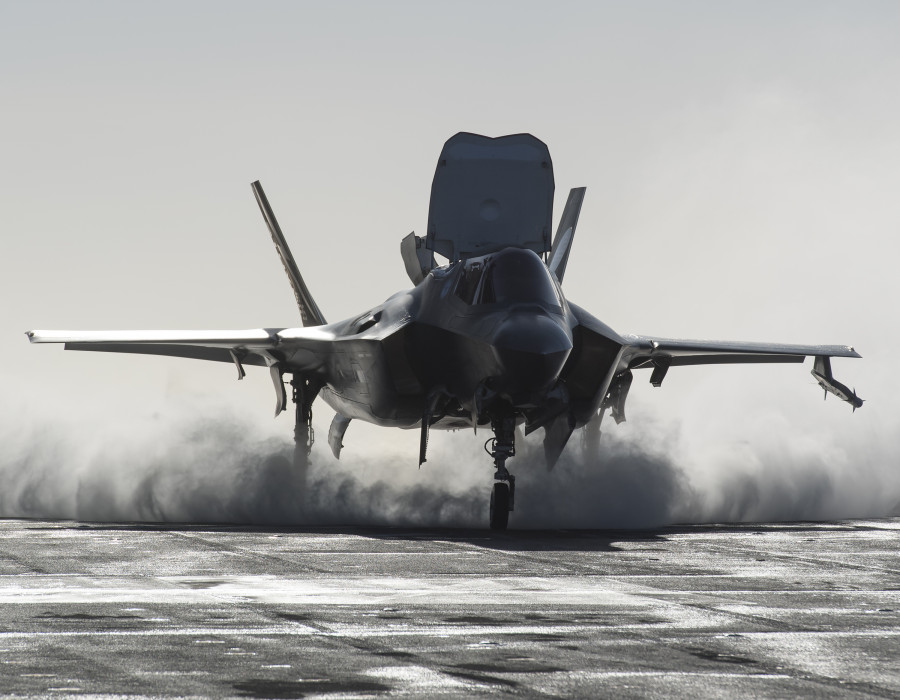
{"points": [[499, 506]]}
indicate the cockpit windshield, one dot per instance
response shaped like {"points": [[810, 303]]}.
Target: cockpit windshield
{"points": [[516, 275], [512, 276]]}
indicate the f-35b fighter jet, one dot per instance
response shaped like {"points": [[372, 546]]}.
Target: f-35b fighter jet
{"points": [[487, 339]]}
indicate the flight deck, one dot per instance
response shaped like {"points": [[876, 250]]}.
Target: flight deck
{"points": [[787, 610]]}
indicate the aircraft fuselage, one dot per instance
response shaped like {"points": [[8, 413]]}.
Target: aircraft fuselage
{"points": [[497, 325]]}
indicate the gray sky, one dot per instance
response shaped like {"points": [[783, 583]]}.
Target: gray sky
{"points": [[742, 162]]}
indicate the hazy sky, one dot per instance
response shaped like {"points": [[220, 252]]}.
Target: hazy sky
{"points": [[742, 164]]}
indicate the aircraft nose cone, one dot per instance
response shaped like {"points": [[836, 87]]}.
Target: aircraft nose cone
{"points": [[532, 349]]}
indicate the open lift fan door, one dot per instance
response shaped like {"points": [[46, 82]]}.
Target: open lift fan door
{"points": [[489, 194]]}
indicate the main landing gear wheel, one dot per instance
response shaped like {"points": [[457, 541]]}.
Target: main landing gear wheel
{"points": [[499, 506], [304, 392]]}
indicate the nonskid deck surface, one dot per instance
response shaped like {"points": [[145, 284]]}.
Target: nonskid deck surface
{"points": [[749, 610]]}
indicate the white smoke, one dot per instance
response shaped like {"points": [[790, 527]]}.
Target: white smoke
{"points": [[213, 469], [179, 468]]}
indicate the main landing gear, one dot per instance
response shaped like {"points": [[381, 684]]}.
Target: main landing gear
{"points": [[502, 447], [304, 392]]}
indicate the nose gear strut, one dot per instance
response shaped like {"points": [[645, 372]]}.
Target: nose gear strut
{"points": [[502, 447]]}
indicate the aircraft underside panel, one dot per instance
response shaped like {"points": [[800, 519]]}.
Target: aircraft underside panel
{"points": [[593, 360], [372, 380], [450, 361]]}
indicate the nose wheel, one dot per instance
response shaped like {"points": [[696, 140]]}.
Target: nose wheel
{"points": [[500, 506]]}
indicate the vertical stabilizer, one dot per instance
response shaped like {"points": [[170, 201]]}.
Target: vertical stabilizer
{"points": [[565, 233], [309, 310]]}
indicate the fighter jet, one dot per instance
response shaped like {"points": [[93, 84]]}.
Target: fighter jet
{"points": [[486, 339]]}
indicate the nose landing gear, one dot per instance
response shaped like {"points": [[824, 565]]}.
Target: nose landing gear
{"points": [[502, 447]]}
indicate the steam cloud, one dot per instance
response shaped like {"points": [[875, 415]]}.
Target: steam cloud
{"points": [[223, 469]]}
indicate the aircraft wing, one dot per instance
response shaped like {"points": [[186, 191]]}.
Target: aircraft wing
{"points": [[281, 350], [266, 347], [662, 353], [646, 349]]}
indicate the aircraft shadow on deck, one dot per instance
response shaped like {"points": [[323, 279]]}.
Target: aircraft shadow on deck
{"points": [[576, 540]]}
